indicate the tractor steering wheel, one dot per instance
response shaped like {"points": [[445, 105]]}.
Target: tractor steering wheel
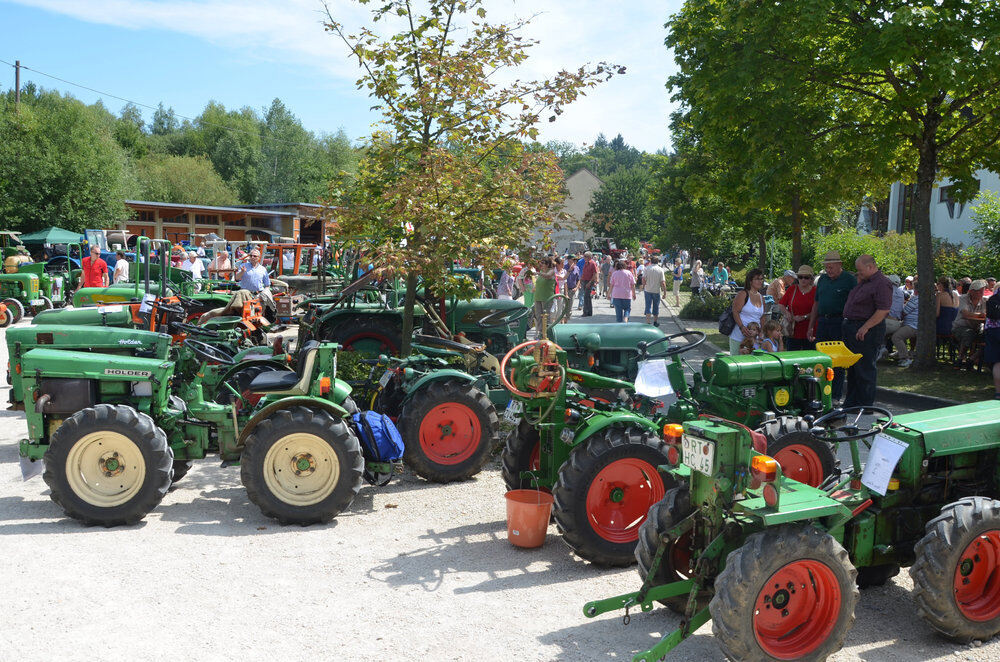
{"points": [[193, 330], [209, 353], [187, 301], [446, 343], [167, 307], [849, 431], [643, 347], [503, 317]]}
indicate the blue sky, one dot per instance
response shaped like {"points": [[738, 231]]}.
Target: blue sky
{"points": [[247, 52]]}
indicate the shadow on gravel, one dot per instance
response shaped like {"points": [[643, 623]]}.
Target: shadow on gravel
{"points": [[13, 509]]}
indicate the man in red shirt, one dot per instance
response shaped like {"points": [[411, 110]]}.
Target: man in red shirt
{"points": [[587, 280], [95, 270]]}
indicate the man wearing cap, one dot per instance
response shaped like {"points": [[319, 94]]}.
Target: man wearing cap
{"points": [[908, 288], [863, 329], [777, 288], [968, 326], [253, 278], [827, 316]]}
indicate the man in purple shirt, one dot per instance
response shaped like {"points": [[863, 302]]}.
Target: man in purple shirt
{"points": [[864, 329]]}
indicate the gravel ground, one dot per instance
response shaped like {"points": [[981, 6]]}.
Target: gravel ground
{"points": [[413, 570]]}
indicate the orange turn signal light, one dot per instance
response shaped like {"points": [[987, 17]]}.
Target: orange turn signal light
{"points": [[764, 468], [672, 433], [829, 374], [324, 385]]}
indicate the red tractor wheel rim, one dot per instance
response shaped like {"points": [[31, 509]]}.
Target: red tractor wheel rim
{"points": [[796, 609], [977, 578], [450, 433], [619, 498], [800, 463], [369, 341]]}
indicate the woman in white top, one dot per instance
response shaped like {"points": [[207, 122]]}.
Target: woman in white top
{"points": [[748, 306]]}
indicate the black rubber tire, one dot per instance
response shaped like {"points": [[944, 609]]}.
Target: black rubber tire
{"points": [[278, 426], [179, 469], [240, 380], [586, 460], [750, 567], [423, 403], [876, 575], [141, 431], [350, 406], [664, 515], [366, 327], [16, 307], [938, 555], [787, 431], [46, 305], [516, 457]]}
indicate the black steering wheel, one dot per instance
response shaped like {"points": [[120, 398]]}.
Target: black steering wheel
{"points": [[643, 347], [209, 353], [849, 431], [445, 343], [187, 301], [193, 330], [167, 307], [503, 317]]}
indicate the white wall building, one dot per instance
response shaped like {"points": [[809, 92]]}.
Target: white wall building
{"points": [[950, 220], [581, 186]]}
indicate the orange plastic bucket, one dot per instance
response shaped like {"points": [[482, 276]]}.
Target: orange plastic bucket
{"points": [[528, 514]]}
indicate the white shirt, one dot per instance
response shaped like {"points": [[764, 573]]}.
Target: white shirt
{"points": [[121, 271], [195, 266]]}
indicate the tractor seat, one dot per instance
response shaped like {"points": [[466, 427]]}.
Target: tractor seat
{"points": [[292, 383]]}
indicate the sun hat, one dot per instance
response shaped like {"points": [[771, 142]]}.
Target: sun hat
{"points": [[909, 278], [978, 284], [805, 270], [789, 272], [832, 256], [894, 279]]}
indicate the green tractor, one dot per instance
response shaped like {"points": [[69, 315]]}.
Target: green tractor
{"points": [[117, 424], [776, 564]]}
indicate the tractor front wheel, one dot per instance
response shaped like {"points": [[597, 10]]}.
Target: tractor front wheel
{"points": [[521, 452], [801, 456], [108, 465], [16, 309], [956, 577], [448, 431], [604, 491], [46, 304], [676, 560], [788, 593], [302, 466]]}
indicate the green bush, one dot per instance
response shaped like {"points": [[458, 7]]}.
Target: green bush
{"points": [[708, 308], [894, 253]]}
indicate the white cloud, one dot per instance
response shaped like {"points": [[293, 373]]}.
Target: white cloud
{"points": [[570, 33]]}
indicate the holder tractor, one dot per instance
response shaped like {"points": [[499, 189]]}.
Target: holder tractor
{"points": [[776, 564], [118, 423]]}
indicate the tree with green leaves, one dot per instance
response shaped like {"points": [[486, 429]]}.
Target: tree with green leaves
{"points": [[911, 89], [183, 179], [449, 179], [621, 208]]}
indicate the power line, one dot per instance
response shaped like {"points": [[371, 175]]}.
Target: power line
{"points": [[146, 105]]}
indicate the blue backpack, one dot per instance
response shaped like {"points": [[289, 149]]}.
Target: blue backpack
{"points": [[380, 440]]}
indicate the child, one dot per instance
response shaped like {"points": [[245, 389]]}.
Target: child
{"points": [[772, 340], [750, 340]]}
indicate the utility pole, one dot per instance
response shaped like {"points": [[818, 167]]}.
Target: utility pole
{"points": [[17, 85]]}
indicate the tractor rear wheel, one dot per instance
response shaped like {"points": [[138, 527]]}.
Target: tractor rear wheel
{"points": [[302, 466], [604, 491], [371, 337], [46, 304], [801, 456], [521, 452], [676, 559], [956, 577], [448, 429], [108, 465], [16, 308], [788, 593]]}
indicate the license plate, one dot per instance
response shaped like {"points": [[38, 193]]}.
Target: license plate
{"points": [[35, 302], [384, 379], [513, 411], [699, 454], [567, 434]]}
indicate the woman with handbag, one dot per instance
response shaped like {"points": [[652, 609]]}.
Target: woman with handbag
{"points": [[748, 306], [796, 305]]}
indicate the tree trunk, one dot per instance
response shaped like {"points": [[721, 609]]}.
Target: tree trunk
{"points": [[796, 231], [762, 249], [408, 302], [926, 312]]}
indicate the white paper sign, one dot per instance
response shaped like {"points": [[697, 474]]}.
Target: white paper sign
{"points": [[145, 307], [111, 309], [652, 379], [882, 461]]}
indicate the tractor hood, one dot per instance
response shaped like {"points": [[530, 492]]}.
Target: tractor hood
{"points": [[763, 367], [949, 430], [115, 315], [110, 340], [613, 336]]}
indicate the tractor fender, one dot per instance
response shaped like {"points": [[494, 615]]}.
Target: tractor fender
{"points": [[304, 401], [600, 421], [437, 376]]}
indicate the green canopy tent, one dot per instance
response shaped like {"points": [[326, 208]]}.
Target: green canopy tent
{"points": [[51, 236]]}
